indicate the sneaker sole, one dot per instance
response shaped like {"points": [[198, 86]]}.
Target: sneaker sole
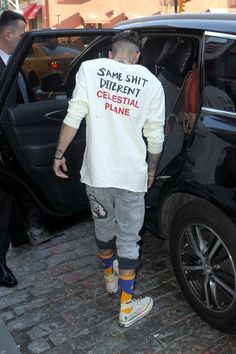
{"points": [[126, 324]]}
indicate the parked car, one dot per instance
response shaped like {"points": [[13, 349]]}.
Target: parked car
{"points": [[47, 57], [193, 200]]}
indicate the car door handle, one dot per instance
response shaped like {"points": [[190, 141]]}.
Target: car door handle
{"points": [[56, 115], [162, 177]]}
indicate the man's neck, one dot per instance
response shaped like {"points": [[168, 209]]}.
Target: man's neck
{"points": [[3, 46], [121, 59]]}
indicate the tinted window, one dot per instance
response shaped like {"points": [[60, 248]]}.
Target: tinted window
{"points": [[220, 77], [51, 58]]}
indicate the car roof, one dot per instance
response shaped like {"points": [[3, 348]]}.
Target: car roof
{"points": [[220, 22]]}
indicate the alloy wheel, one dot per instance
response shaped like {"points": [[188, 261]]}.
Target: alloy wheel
{"points": [[207, 267]]}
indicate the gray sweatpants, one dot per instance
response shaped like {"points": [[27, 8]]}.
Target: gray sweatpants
{"points": [[118, 216]]}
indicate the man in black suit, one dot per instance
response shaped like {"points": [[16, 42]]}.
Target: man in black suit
{"points": [[12, 27]]}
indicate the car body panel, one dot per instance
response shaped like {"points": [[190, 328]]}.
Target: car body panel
{"points": [[194, 22]]}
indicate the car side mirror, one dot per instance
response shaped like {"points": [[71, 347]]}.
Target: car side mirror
{"points": [[51, 83]]}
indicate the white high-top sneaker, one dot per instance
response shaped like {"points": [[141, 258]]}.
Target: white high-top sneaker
{"points": [[111, 282], [140, 308]]}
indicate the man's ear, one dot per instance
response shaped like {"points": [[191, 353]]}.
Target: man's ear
{"points": [[137, 56], [7, 34], [110, 56]]}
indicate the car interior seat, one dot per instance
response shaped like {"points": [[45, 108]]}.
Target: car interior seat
{"points": [[176, 60], [176, 55], [150, 54]]}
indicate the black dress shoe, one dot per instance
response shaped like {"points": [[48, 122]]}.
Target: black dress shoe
{"points": [[7, 278]]}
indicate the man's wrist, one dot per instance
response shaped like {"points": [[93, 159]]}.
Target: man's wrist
{"points": [[152, 162], [59, 154]]}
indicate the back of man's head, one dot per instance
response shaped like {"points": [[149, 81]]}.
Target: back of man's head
{"points": [[126, 42], [10, 19]]}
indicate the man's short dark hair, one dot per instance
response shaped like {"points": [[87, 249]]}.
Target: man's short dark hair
{"points": [[127, 36], [9, 18]]}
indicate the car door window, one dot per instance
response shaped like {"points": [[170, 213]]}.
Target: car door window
{"points": [[219, 90], [47, 63]]}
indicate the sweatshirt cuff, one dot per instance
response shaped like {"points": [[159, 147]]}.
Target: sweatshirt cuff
{"points": [[71, 121], [155, 148]]}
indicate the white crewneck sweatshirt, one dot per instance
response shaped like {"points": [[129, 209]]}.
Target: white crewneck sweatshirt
{"points": [[120, 102]]}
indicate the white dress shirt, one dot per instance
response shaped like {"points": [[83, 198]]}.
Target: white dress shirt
{"points": [[5, 57]]}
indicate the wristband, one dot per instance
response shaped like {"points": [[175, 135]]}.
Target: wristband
{"points": [[58, 158]]}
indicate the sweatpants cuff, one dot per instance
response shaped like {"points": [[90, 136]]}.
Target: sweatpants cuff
{"points": [[110, 245], [127, 263]]}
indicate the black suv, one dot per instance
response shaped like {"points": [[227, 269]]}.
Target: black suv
{"points": [[193, 201]]}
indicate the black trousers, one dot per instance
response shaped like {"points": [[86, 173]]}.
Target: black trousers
{"points": [[5, 215]]}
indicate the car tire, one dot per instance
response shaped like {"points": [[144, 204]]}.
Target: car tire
{"points": [[203, 254]]}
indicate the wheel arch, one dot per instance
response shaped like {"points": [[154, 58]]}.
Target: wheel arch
{"points": [[171, 205]]}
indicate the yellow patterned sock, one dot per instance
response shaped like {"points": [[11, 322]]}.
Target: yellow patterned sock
{"points": [[127, 291], [107, 263]]}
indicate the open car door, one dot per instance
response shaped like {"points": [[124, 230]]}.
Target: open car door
{"points": [[49, 61], [30, 130]]}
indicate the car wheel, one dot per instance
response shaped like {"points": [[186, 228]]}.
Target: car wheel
{"points": [[203, 253]]}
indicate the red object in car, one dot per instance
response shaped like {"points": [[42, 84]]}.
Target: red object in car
{"points": [[54, 65]]}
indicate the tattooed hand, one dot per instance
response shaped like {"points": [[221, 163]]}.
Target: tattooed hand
{"points": [[67, 134], [153, 160], [60, 167]]}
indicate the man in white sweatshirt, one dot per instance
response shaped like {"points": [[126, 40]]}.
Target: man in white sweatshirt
{"points": [[120, 100]]}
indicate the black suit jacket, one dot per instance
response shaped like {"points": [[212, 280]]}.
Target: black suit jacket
{"points": [[5, 208], [16, 93], [14, 97]]}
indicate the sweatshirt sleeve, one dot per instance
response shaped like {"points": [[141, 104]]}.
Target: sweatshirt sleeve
{"points": [[78, 105], [154, 126]]}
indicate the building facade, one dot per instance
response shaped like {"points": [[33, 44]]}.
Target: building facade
{"points": [[105, 14]]}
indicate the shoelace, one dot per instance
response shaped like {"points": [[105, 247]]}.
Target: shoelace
{"points": [[134, 300], [139, 298]]}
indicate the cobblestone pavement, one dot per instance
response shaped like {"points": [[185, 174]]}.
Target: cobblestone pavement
{"points": [[60, 306]]}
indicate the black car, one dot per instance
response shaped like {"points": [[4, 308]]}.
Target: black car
{"points": [[193, 200]]}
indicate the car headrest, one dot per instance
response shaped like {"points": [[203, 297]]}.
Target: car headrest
{"points": [[177, 55], [150, 53]]}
